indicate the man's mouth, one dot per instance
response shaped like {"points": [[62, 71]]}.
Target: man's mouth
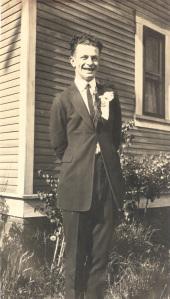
{"points": [[88, 69]]}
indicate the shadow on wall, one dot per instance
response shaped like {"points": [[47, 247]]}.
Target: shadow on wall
{"points": [[10, 37]]}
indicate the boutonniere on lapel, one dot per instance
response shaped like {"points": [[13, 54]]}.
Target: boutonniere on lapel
{"points": [[105, 99], [105, 94]]}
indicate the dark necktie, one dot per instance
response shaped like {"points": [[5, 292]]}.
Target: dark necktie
{"points": [[90, 101]]}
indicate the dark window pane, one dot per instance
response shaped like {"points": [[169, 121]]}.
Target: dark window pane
{"points": [[152, 55], [153, 75], [152, 103]]}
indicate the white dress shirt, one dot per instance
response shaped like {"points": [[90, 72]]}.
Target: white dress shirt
{"points": [[81, 85]]}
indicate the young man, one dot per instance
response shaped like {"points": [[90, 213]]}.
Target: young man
{"points": [[85, 132]]}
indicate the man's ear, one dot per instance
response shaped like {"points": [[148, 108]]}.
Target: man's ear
{"points": [[72, 61]]}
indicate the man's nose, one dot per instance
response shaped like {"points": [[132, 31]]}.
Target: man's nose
{"points": [[90, 60]]}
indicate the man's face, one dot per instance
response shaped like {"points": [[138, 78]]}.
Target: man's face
{"points": [[85, 61]]}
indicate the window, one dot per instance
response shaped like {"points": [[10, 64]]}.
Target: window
{"points": [[152, 75]]}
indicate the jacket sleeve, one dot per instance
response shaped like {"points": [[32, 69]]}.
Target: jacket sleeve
{"points": [[58, 135], [116, 122]]}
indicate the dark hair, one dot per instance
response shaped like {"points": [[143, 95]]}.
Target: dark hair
{"points": [[85, 39]]}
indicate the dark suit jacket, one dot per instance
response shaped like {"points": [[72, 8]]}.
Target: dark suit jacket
{"points": [[74, 140]]}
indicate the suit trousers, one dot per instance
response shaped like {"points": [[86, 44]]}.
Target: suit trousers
{"points": [[88, 238]]}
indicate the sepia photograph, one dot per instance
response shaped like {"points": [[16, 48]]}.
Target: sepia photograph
{"points": [[84, 149]]}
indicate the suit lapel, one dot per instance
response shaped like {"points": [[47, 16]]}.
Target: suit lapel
{"points": [[80, 106]]}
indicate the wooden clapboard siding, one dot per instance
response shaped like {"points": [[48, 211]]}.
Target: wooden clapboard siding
{"points": [[112, 21], [12, 119], [11, 173], [157, 10], [10, 4], [9, 94], [11, 69], [10, 76], [9, 103], [6, 186], [5, 166], [12, 12], [11, 136], [9, 84], [151, 140], [9, 128]]}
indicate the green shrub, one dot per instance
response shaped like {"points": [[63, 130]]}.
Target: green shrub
{"points": [[3, 214], [145, 175]]}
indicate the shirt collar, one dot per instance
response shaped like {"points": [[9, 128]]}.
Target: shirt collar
{"points": [[81, 84]]}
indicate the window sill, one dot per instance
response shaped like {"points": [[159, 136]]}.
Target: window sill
{"points": [[152, 122]]}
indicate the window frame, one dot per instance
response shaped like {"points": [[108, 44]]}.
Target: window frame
{"points": [[141, 119]]}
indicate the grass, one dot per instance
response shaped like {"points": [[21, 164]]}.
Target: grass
{"points": [[139, 268], [22, 275]]}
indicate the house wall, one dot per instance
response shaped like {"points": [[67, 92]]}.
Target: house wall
{"points": [[157, 11], [17, 90], [114, 23], [10, 51]]}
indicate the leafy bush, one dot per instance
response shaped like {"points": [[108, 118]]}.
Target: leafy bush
{"points": [[146, 175], [3, 213], [49, 198]]}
